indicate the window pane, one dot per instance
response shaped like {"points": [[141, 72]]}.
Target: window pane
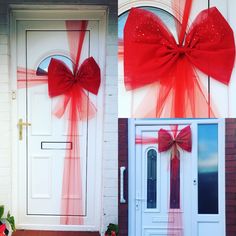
{"points": [[43, 66], [208, 169], [151, 178]]}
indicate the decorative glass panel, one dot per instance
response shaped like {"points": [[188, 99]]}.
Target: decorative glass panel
{"points": [[43, 66], [208, 169], [151, 178]]}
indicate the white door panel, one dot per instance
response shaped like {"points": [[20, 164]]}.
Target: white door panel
{"points": [[42, 150]]}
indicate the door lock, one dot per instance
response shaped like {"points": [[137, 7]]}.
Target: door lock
{"points": [[20, 126]]}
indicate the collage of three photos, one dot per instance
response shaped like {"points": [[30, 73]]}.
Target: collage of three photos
{"points": [[117, 118]]}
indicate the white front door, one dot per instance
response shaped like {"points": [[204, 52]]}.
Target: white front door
{"points": [[42, 150], [202, 201]]}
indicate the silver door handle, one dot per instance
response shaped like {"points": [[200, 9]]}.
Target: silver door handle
{"points": [[122, 171]]}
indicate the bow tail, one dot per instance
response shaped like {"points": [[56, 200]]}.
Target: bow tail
{"points": [[72, 194], [79, 108], [178, 94], [175, 178], [189, 96]]}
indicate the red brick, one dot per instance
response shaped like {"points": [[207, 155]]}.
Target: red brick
{"points": [[230, 165]]}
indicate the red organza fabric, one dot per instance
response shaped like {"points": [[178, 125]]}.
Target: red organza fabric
{"points": [[172, 141], [166, 142], [153, 57], [74, 103]]}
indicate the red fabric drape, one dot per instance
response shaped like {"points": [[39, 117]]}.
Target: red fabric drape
{"points": [[153, 57], [166, 142], [173, 141], [74, 103]]}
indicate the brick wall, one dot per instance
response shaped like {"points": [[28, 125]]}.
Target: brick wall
{"points": [[110, 211], [123, 161], [230, 152]]}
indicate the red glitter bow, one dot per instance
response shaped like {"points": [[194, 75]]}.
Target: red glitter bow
{"points": [[152, 56]]}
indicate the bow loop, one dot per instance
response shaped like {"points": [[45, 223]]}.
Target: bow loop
{"points": [[165, 140], [60, 78], [184, 139], [211, 41], [88, 75]]}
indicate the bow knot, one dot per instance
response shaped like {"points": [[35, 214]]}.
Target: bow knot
{"points": [[182, 50]]}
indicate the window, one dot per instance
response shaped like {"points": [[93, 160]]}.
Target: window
{"points": [[151, 179], [208, 169], [43, 66]]}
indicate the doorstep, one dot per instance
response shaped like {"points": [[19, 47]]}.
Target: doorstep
{"points": [[53, 233]]}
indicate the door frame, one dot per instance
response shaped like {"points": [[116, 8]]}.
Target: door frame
{"points": [[56, 12], [132, 123]]}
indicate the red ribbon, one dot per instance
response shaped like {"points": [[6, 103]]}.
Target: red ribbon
{"points": [[151, 55], [166, 142]]}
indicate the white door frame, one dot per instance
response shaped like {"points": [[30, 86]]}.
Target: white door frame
{"points": [[132, 164], [57, 12]]}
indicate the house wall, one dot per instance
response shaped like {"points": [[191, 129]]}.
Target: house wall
{"points": [[230, 156], [123, 161], [110, 138]]}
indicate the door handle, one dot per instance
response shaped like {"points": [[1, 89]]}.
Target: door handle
{"points": [[122, 171], [20, 125]]}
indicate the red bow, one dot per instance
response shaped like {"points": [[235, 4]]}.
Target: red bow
{"points": [[166, 142], [183, 139], [152, 54], [61, 79]]}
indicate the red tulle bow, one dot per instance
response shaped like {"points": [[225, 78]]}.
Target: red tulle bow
{"points": [[151, 54], [166, 142], [61, 79], [183, 139]]}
